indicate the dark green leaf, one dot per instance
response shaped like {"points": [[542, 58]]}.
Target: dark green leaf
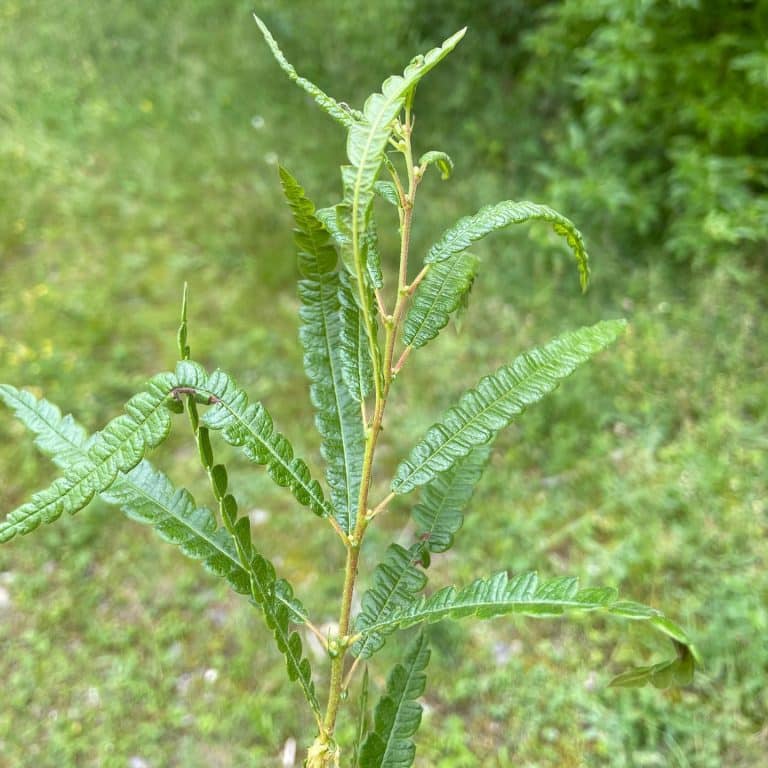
{"points": [[398, 714], [439, 294], [338, 416], [147, 496], [524, 594]]}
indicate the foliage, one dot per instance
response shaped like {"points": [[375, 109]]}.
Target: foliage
{"points": [[582, 390], [658, 114]]}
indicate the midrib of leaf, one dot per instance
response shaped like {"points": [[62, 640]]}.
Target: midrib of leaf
{"points": [[480, 413], [90, 469], [412, 670], [403, 618]]}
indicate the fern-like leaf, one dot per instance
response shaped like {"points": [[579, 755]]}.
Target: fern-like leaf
{"points": [[471, 228], [387, 191], [119, 447], [394, 583], [147, 496], [497, 399], [439, 294], [342, 114], [356, 364], [398, 715], [329, 218], [122, 444], [250, 428], [337, 417], [438, 516], [499, 596], [57, 436], [439, 513]]}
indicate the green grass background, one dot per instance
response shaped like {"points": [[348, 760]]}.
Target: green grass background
{"points": [[138, 149]]}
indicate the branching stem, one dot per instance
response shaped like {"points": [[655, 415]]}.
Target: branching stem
{"points": [[383, 376]]}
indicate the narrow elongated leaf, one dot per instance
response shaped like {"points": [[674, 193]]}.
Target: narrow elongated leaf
{"points": [[148, 496], [499, 595], [341, 237], [398, 714], [272, 594], [125, 440], [497, 399], [341, 113], [471, 228], [250, 427], [118, 448], [60, 437], [439, 294], [338, 416], [356, 363], [439, 513], [395, 582], [362, 720]]}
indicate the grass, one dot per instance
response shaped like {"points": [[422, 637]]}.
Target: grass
{"points": [[132, 157]]}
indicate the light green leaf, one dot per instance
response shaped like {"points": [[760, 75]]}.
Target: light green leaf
{"points": [[472, 228], [366, 144], [672, 673], [482, 412], [119, 447], [341, 113], [499, 596], [388, 191], [338, 416], [398, 714], [441, 160], [440, 293]]}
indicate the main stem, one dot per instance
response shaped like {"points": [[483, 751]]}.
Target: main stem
{"points": [[373, 429]]}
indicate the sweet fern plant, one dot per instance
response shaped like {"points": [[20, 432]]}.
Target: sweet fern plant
{"points": [[359, 326]]}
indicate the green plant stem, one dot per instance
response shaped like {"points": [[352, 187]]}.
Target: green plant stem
{"points": [[391, 323]]}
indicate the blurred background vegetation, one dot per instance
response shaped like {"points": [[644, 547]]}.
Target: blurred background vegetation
{"points": [[138, 149]]}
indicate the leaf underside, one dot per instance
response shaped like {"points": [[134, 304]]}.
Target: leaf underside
{"points": [[482, 412], [398, 715], [147, 496]]}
